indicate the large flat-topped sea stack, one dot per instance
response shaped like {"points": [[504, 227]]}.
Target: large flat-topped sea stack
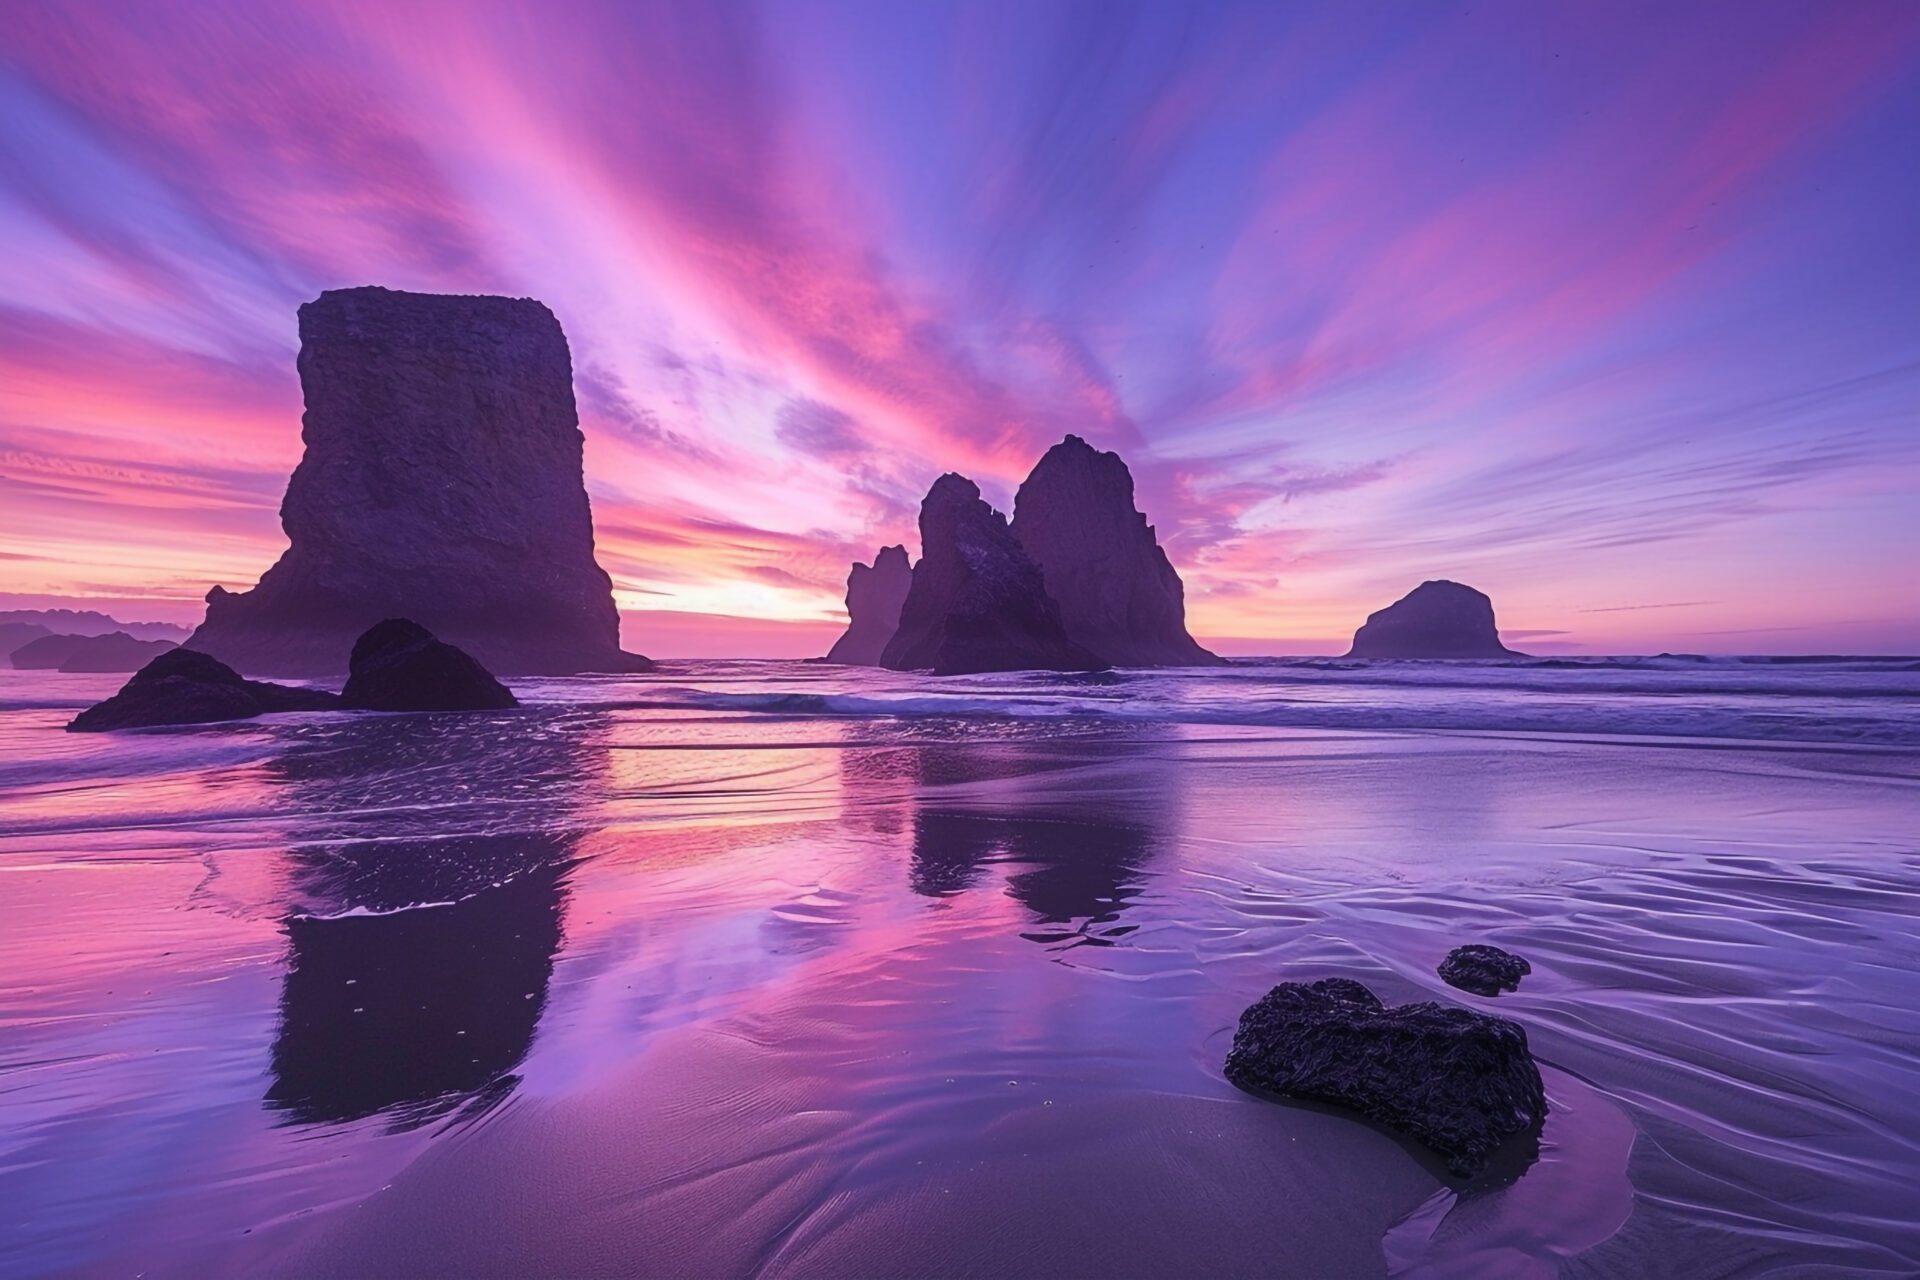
{"points": [[1118, 593], [441, 482], [875, 594], [978, 601], [1435, 620]]}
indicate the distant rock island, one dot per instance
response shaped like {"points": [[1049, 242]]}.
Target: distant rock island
{"points": [[978, 602], [115, 651], [875, 594], [1119, 596], [442, 482], [1436, 619]]}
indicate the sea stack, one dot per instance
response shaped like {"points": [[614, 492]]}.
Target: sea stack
{"points": [[1435, 620], [441, 482], [875, 594], [1118, 594], [977, 602]]}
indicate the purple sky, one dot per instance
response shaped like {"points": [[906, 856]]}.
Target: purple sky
{"points": [[1611, 310]]}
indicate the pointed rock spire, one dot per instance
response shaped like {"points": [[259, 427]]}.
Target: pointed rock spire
{"points": [[1118, 593], [875, 594], [977, 602]]}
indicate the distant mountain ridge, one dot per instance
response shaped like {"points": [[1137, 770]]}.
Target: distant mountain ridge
{"points": [[90, 622]]}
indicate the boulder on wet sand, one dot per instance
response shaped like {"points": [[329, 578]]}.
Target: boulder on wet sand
{"points": [[1436, 619], [1483, 970], [398, 665], [978, 601], [875, 593], [441, 482], [1459, 1081], [184, 686], [116, 651], [1118, 593]]}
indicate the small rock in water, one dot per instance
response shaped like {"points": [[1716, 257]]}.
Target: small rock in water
{"points": [[399, 665], [185, 686], [1483, 970], [1459, 1081]]}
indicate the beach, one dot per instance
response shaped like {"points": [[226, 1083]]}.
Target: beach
{"points": [[786, 969]]}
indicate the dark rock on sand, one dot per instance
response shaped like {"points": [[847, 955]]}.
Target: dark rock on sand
{"points": [[1435, 620], [183, 686], [116, 651], [1118, 593], [978, 601], [875, 594], [442, 482], [1483, 970], [1459, 1081], [398, 665]]}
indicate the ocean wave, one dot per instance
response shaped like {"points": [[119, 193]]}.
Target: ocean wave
{"points": [[1884, 713]]}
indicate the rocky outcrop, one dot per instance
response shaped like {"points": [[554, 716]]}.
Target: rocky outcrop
{"points": [[116, 651], [1435, 620], [1461, 1082], [875, 594], [183, 686], [977, 601], [1483, 970], [399, 665], [1118, 594], [442, 482]]}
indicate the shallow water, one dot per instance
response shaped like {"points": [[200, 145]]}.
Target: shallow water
{"points": [[774, 968]]}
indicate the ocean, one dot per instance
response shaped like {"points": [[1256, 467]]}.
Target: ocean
{"points": [[786, 969]]}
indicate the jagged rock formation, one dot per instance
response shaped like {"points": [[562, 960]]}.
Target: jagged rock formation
{"points": [[116, 651], [977, 601], [442, 482], [875, 594], [1437, 619], [399, 665], [1483, 970], [1118, 594], [1461, 1082], [182, 686]]}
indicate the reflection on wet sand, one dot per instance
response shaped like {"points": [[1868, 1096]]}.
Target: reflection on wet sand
{"points": [[418, 1010], [1083, 854], [417, 969]]}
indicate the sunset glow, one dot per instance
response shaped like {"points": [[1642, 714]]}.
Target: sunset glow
{"points": [[1607, 309]]}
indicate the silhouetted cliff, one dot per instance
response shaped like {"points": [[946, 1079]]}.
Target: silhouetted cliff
{"points": [[1118, 594], [441, 482], [978, 601]]}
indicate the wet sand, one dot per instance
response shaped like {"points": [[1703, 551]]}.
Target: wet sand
{"points": [[606, 990]]}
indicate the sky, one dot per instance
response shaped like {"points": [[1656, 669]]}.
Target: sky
{"points": [[1611, 310]]}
